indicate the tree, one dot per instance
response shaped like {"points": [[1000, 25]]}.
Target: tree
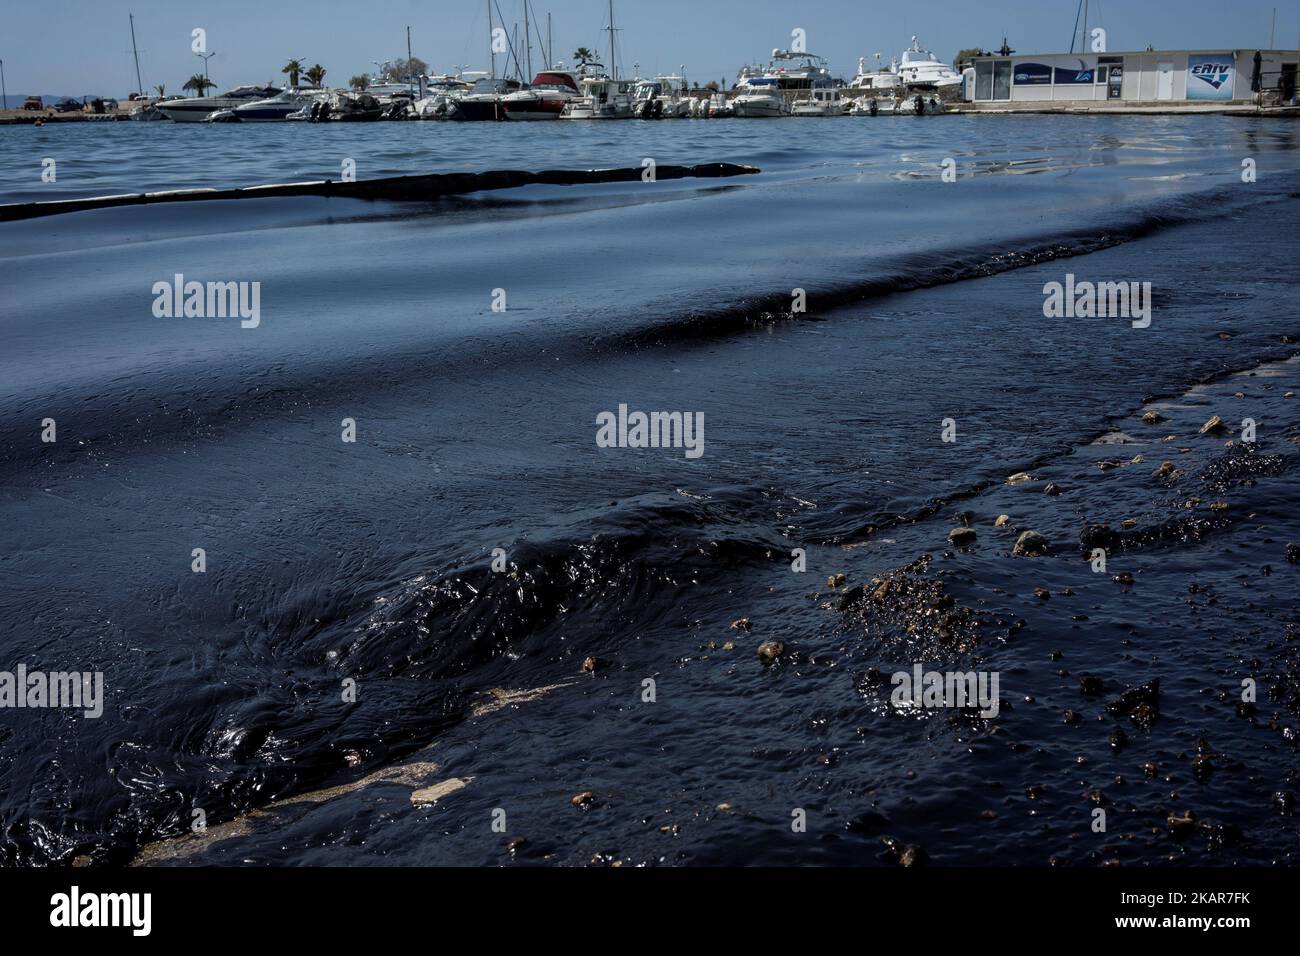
{"points": [[711, 85], [293, 68], [198, 83], [361, 82], [404, 69], [963, 58], [315, 75], [162, 90], [583, 56]]}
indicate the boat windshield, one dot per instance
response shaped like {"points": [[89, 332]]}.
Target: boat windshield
{"points": [[558, 80]]}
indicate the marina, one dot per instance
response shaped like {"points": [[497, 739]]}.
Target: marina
{"points": [[793, 83]]}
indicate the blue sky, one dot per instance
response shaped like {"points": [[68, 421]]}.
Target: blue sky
{"points": [[84, 46]]}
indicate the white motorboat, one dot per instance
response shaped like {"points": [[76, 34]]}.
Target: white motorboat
{"points": [[278, 107], [921, 68], [898, 104], [483, 102], [665, 96], [761, 98], [146, 113], [439, 93], [823, 101], [603, 98], [195, 109]]}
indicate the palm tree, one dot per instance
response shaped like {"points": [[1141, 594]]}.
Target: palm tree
{"points": [[198, 83], [361, 82], [583, 56], [315, 75], [293, 68], [162, 90]]}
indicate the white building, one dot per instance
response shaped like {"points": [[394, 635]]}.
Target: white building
{"points": [[1149, 77]]}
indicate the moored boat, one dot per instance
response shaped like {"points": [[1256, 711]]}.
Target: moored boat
{"points": [[663, 97], [545, 98], [483, 102], [195, 109], [761, 99], [922, 68], [275, 108], [603, 98], [823, 101]]}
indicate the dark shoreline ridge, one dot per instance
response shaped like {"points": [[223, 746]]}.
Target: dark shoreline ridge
{"points": [[396, 188]]}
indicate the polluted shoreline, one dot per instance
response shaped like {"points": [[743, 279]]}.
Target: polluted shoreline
{"points": [[936, 582], [1146, 750]]}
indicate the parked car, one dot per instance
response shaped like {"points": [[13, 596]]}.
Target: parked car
{"points": [[33, 103], [68, 106]]}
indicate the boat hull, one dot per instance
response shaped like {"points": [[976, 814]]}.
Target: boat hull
{"points": [[757, 110], [191, 114], [478, 111], [531, 110]]}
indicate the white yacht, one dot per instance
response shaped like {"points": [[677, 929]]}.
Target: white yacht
{"points": [[195, 109], [921, 68], [764, 94], [821, 101], [761, 98], [277, 107], [603, 98], [882, 78], [791, 70]]}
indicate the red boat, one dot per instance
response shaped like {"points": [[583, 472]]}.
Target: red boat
{"points": [[545, 99]]}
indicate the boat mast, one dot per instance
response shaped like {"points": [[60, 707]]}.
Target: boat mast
{"points": [[409, 71], [492, 42], [139, 87], [613, 67], [528, 44], [550, 44]]}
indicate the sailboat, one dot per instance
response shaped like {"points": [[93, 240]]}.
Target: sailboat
{"points": [[604, 97]]}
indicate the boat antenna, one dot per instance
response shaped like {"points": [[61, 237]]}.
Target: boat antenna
{"points": [[139, 87]]}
